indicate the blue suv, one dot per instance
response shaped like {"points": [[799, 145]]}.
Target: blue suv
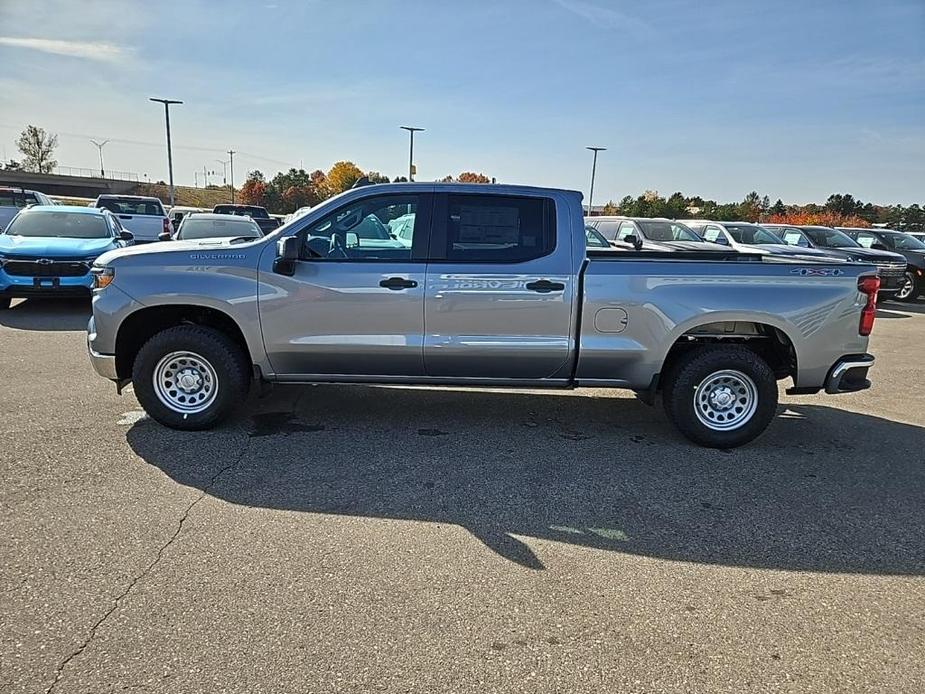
{"points": [[47, 250]]}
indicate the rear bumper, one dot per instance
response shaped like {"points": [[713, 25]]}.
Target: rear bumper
{"points": [[849, 374]]}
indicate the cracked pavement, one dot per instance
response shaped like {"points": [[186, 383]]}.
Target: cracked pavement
{"points": [[345, 539]]}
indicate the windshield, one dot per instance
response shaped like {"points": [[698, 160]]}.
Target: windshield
{"points": [[13, 198], [242, 210], [193, 228], [132, 206], [752, 235], [667, 231], [903, 242], [594, 239], [830, 238], [607, 229], [74, 225]]}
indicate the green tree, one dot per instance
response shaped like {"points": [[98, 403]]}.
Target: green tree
{"points": [[37, 148]]}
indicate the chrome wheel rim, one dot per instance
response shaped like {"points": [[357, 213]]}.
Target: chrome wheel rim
{"points": [[906, 290], [185, 382], [725, 400]]}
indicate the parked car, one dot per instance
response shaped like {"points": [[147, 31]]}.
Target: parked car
{"points": [[911, 248], [498, 288], [650, 234], [890, 266], [143, 216], [258, 214], [752, 238], [12, 200], [176, 214], [47, 250], [215, 226]]}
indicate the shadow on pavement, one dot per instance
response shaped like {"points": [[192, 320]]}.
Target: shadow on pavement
{"points": [[47, 314], [822, 490]]}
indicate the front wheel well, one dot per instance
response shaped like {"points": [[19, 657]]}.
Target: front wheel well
{"points": [[142, 325], [772, 344]]}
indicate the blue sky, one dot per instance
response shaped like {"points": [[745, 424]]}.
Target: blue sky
{"points": [[793, 99]]}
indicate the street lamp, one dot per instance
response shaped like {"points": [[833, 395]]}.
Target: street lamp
{"points": [[167, 103], [593, 171], [411, 130], [99, 146]]}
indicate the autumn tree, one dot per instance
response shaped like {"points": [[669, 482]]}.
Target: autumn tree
{"points": [[471, 177], [342, 176], [254, 190], [37, 148]]}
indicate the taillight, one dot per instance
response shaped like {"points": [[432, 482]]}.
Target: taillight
{"points": [[868, 286]]}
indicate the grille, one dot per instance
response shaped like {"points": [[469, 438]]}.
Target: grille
{"points": [[58, 268]]}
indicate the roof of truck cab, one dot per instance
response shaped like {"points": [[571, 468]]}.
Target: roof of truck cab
{"points": [[439, 186]]}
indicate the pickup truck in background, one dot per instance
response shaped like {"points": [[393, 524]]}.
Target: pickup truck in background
{"points": [[12, 200], [258, 214], [497, 287], [143, 216]]}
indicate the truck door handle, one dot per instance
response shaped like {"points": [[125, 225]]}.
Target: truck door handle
{"points": [[396, 283], [545, 286], [125, 216]]}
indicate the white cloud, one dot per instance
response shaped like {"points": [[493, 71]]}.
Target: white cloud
{"points": [[605, 17], [91, 50]]}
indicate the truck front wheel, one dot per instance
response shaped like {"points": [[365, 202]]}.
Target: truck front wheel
{"points": [[190, 377], [720, 396]]}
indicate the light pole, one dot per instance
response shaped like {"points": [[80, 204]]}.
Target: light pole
{"points": [[593, 171], [231, 168], [411, 130], [167, 103], [224, 171], [99, 146]]}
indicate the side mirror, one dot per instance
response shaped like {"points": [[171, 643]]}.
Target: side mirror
{"points": [[288, 250], [163, 236], [126, 236], [634, 241]]}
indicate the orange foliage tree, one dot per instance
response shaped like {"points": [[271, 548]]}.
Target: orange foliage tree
{"points": [[825, 218]]}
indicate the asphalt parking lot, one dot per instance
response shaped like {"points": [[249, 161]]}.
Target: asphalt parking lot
{"points": [[346, 539]]}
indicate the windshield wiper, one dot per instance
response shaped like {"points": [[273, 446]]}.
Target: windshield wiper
{"points": [[241, 239]]}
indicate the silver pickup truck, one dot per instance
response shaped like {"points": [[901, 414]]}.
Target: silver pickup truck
{"points": [[481, 285]]}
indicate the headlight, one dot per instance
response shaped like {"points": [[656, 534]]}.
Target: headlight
{"points": [[102, 276]]}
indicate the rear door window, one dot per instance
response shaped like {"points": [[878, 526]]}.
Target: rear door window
{"points": [[494, 229]]}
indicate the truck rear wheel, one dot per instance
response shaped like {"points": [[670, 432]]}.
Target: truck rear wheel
{"points": [[720, 396], [190, 377]]}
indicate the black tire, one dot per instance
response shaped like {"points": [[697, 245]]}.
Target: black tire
{"points": [[4, 302], [230, 371], [913, 293], [680, 390]]}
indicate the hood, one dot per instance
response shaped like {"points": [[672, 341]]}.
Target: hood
{"points": [[53, 246], [869, 255], [784, 249], [696, 246], [158, 247], [916, 258]]}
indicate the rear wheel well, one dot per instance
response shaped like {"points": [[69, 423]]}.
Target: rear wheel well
{"points": [[141, 326], [770, 343]]}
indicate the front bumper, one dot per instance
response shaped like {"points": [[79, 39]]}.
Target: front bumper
{"points": [[849, 374], [103, 364], [17, 286]]}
